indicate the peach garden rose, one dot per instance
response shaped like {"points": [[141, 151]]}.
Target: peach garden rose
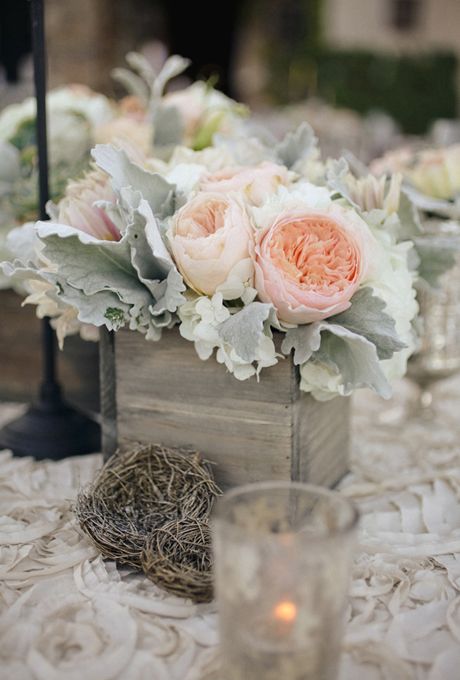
{"points": [[309, 261], [209, 236], [257, 183]]}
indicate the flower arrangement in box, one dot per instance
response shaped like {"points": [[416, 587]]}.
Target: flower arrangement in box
{"points": [[255, 249]]}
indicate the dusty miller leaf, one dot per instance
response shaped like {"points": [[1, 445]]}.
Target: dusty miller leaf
{"points": [[367, 317], [296, 146], [152, 262], [91, 265], [173, 66], [101, 309], [168, 126], [141, 64], [304, 340], [336, 180], [409, 218], [133, 84], [154, 188], [435, 206], [244, 330], [436, 257], [353, 357]]}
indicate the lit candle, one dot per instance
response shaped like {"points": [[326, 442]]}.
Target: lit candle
{"points": [[285, 611], [282, 568], [284, 614]]}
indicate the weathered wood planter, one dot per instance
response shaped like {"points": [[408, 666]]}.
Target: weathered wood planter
{"points": [[252, 430]]}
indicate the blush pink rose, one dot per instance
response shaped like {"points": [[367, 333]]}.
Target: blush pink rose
{"points": [[257, 183], [79, 208], [209, 236], [309, 264]]}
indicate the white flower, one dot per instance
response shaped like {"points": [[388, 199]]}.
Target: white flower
{"points": [[395, 286], [186, 177], [73, 113], [204, 112], [200, 318], [213, 159], [320, 380]]}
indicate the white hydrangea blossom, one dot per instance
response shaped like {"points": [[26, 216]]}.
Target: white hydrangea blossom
{"points": [[200, 318]]}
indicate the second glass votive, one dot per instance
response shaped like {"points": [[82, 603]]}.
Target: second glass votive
{"points": [[283, 554]]}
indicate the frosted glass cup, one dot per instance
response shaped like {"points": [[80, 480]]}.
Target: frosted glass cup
{"points": [[283, 554]]}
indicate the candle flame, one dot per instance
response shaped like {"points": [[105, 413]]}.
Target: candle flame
{"points": [[285, 611]]}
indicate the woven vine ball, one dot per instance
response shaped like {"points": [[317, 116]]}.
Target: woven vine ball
{"points": [[149, 508]]}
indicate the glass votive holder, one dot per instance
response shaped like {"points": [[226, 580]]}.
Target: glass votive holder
{"points": [[283, 554]]}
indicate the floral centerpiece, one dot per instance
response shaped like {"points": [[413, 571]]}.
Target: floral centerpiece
{"points": [[255, 249], [432, 181], [80, 118]]}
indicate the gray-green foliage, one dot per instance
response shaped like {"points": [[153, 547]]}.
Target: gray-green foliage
{"points": [[435, 257], [296, 147], [115, 283], [244, 330], [142, 81], [159, 194], [350, 343], [367, 317], [336, 179]]}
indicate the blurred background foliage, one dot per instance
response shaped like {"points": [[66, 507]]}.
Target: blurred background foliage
{"points": [[394, 56], [415, 89]]}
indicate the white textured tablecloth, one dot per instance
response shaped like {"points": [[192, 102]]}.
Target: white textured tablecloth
{"points": [[65, 614]]}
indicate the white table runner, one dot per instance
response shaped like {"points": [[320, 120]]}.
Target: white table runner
{"points": [[65, 614]]}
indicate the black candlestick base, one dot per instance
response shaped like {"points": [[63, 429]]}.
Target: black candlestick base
{"points": [[51, 428]]}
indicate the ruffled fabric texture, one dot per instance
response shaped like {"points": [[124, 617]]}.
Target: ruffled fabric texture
{"points": [[66, 614]]}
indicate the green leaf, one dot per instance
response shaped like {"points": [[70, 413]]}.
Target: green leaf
{"points": [[296, 146], [367, 317], [244, 330]]}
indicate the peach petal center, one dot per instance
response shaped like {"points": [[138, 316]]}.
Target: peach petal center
{"points": [[206, 219], [315, 253]]}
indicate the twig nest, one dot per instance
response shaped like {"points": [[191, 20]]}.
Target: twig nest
{"points": [[149, 508], [178, 557]]}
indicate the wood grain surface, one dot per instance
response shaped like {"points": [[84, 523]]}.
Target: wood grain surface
{"points": [[252, 430]]}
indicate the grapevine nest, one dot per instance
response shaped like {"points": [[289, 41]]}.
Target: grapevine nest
{"points": [[149, 508]]}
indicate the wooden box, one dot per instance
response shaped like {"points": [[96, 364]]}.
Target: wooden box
{"points": [[253, 431]]}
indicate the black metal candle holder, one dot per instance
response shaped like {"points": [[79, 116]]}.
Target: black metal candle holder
{"points": [[50, 428]]}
